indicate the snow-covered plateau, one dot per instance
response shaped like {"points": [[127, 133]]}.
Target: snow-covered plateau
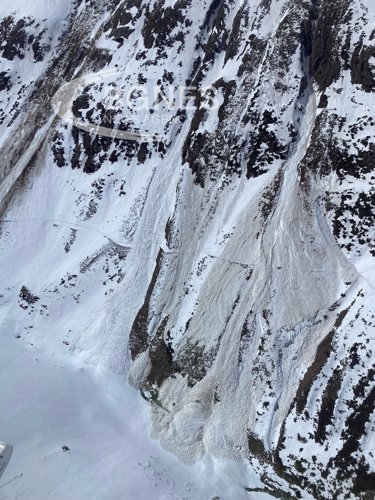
{"points": [[187, 287]]}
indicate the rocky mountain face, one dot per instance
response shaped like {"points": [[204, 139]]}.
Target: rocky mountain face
{"points": [[224, 257]]}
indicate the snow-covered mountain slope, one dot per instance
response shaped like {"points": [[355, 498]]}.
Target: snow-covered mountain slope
{"points": [[223, 260]]}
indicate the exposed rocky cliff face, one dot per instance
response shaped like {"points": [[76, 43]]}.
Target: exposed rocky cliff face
{"points": [[226, 265]]}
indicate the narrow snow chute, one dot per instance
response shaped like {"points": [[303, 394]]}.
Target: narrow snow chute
{"points": [[6, 451]]}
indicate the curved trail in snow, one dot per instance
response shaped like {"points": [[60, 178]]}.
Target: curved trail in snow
{"points": [[72, 225]]}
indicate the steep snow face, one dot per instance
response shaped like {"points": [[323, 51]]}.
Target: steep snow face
{"points": [[227, 263]]}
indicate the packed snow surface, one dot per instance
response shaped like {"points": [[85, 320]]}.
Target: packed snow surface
{"points": [[80, 432]]}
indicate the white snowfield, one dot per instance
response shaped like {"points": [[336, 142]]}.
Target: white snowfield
{"points": [[80, 433], [53, 10]]}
